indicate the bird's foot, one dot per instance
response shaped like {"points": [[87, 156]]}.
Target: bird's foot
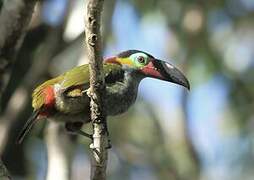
{"points": [[74, 128], [82, 133], [89, 93], [109, 146]]}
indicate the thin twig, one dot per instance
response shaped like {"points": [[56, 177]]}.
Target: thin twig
{"points": [[97, 90]]}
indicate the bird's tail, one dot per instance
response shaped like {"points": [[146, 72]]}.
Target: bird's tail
{"points": [[27, 127]]}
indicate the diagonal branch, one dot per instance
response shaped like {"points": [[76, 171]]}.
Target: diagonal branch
{"points": [[4, 174], [97, 90], [14, 19], [15, 16]]}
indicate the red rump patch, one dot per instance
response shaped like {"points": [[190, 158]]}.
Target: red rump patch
{"points": [[49, 97]]}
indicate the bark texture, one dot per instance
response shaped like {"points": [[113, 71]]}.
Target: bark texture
{"points": [[97, 90]]}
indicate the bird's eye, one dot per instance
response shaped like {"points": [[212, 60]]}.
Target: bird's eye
{"points": [[141, 59]]}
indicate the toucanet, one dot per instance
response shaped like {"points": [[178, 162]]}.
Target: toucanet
{"points": [[65, 99]]}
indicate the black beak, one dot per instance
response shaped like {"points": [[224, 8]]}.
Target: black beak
{"points": [[170, 73]]}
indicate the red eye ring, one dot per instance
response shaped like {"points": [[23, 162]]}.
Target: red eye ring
{"points": [[141, 59]]}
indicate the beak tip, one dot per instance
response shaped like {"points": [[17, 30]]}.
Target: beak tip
{"points": [[171, 73], [186, 84]]}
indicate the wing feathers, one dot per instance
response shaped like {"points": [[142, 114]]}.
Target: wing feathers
{"points": [[74, 77]]}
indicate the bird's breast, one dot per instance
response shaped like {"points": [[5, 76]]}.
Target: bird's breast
{"points": [[119, 97]]}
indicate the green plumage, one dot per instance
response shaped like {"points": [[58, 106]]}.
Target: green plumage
{"points": [[74, 77], [64, 98]]}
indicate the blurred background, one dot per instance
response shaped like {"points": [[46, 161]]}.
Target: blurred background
{"points": [[170, 133]]}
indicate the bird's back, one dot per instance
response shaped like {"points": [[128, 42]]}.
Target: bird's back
{"points": [[72, 78]]}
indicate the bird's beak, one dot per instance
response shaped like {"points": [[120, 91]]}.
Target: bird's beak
{"points": [[165, 71]]}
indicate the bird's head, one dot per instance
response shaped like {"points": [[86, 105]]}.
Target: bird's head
{"points": [[148, 66]]}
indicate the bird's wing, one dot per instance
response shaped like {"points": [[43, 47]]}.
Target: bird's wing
{"points": [[72, 78], [80, 75]]}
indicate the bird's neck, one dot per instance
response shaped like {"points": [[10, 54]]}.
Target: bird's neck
{"points": [[132, 79], [122, 93], [127, 81]]}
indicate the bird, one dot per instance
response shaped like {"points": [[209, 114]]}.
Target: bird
{"points": [[64, 98]]}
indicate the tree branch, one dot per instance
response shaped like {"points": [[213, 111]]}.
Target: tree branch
{"points": [[60, 152], [14, 19], [97, 90], [4, 174]]}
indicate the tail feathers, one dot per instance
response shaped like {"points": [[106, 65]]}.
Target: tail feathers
{"points": [[27, 127]]}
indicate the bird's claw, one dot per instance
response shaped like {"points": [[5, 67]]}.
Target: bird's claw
{"points": [[88, 92], [74, 130], [82, 133], [109, 146]]}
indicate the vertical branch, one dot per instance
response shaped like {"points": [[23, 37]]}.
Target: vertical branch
{"points": [[60, 152], [97, 89]]}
